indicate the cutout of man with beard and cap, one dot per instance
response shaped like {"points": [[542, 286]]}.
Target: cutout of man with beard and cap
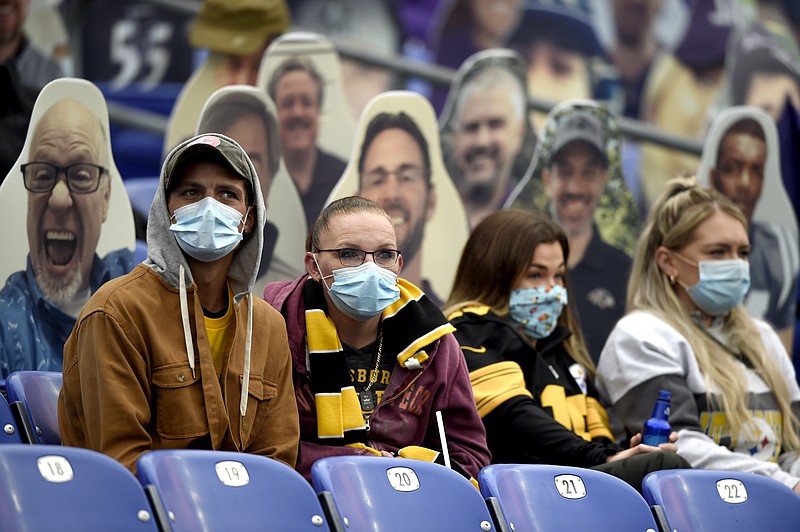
{"points": [[67, 170], [487, 141], [740, 159], [576, 178]]}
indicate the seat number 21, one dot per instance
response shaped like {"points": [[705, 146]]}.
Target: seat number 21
{"points": [[570, 486]]}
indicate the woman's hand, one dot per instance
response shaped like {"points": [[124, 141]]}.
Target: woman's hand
{"points": [[672, 444], [637, 447]]}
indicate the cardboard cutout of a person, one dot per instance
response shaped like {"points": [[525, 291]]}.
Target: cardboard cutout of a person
{"points": [[461, 28], [763, 70], [69, 225], [302, 75], [558, 44], [576, 178], [487, 140], [397, 163], [681, 90], [248, 116], [373, 26], [741, 159]]}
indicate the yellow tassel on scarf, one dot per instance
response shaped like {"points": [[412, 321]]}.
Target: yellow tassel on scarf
{"points": [[415, 452]]}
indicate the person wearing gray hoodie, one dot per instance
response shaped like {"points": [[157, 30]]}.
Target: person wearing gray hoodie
{"points": [[179, 353]]}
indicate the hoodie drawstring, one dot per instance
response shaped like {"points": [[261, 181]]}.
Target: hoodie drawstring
{"points": [[187, 331], [187, 335], [247, 342]]}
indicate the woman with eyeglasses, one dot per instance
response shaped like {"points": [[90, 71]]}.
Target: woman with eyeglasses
{"points": [[735, 400], [531, 374], [374, 358]]}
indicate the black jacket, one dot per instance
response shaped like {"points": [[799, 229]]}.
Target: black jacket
{"points": [[537, 404]]}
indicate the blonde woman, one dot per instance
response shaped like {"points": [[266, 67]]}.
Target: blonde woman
{"points": [[735, 399]]}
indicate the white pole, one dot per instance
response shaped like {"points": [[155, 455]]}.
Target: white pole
{"points": [[443, 439]]}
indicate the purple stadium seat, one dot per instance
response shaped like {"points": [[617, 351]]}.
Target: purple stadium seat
{"points": [[46, 487], [372, 493], [219, 490], [9, 433], [35, 396], [703, 499], [539, 497]]}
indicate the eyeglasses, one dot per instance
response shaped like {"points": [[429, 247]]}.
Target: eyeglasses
{"points": [[405, 173], [385, 258], [82, 178]]}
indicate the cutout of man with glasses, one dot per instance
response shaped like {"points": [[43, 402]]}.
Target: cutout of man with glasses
{"points": [[69, 187]]}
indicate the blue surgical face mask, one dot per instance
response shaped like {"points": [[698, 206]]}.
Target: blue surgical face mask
{"points": [[722, 285], [537, 309], [207, 230], [363, 292]]}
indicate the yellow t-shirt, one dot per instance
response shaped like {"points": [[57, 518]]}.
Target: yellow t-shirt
{"points": [[217, 329]]}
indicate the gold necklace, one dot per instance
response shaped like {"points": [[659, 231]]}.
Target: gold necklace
{"points": [[366, 397], [373, 377]]}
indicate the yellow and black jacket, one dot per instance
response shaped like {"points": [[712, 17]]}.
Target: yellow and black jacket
{"points": [[537, 404]]}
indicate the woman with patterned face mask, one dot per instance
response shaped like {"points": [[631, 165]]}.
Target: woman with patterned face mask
{"points": [[734, 395], [531, 374]]}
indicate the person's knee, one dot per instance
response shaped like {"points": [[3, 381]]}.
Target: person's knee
{"points": [[674, 461], [662, 460]]}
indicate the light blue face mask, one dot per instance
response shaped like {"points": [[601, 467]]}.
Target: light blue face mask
{"points": [[537, 309], [722, 285], [363, 292], [207, 230]]}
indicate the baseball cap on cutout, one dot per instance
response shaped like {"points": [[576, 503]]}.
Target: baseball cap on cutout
{"points": [[238, 27], [567, 26], [210, 147], [583, 126]]}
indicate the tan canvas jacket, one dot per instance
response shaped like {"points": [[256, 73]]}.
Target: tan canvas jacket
{"points": [[132, 389]]}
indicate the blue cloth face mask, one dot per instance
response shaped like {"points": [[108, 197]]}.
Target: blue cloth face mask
{"points": [[363, 292], [722, 285], [207, 230], [537, 309]]}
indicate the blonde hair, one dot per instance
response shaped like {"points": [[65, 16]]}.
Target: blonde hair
{"points": [[673, 220]]}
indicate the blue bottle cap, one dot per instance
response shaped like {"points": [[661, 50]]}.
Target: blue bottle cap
{"points": [[664, 395]]}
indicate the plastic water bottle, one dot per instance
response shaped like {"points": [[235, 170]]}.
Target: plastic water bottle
{"points": [[656, 429]]}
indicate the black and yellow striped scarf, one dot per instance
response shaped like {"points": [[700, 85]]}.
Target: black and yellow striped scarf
{"points": [[409, 325]]}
